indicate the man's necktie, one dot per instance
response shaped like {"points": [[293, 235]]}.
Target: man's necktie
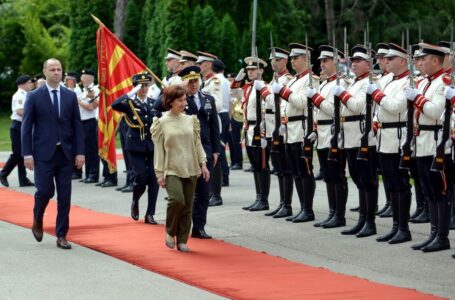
{"points": [[55, 103]]}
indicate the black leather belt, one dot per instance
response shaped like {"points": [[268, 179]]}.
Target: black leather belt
{"points": [[269, 111], [352, 118], [325, 122], [251, 122], [429, 127], [392, 125], [296, 118]]}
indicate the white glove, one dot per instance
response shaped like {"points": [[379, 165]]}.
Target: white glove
{"points": [[241, 75], [450, 93], [134, 91], [449, 144], [371, 135], [371, 88], [263, 143], [310, 92], [312, 137], [259, 84], [337, 90], [276, 87], [282, 130], [411, 93]]}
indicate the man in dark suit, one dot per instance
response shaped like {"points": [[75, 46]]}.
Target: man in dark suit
{"points": [[52, 142], [203, 106]]}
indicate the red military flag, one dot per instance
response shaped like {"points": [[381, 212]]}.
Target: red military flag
{"points": [[116, 65]]}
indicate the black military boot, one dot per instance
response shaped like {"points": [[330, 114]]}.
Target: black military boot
{"points": [[362, 216], [286, 209], [441, 242], [424, 217], [299, 188], [394, 198], [309, 187], [138, 190], [257, 187], [386, 206], [338, 219], [331, 198], [216, 182], [404, 207], [433, 208], [419, 200], [281, 190], [387, 213], [371, 205], [264, 182]]}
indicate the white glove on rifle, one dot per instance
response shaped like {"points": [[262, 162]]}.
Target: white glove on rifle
{"points": [[313, 136], [411, 93], [371, 88], [310, 92], [337, 90], [450, 93], [259, 85], [241, 75], [276, 87], [133, 92], [449, 144]]}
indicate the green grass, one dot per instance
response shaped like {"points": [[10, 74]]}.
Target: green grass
{"points": [[5, 123]]}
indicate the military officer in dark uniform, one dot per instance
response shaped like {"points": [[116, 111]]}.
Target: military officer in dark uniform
{"points": [[138, 113], [203, 106]]}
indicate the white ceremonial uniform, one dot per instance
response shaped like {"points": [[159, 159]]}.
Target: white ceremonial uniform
{"points": [[355, 106], [384, 80], [18, 102], [270, 105], [250, 94], [85, 113], [392, 109], [226, 93], [325, 112], [212, 87], [297, 106], [153, 92], [433, 90]]}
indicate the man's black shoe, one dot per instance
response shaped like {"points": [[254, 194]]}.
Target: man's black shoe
{"points": [[90, 180], [100, 183], [236, 167], [149, 219], [26, 183], [215, 201], [108, 184], [75, 176], [128, 189], [200, 234], [121, 187], [4, 181]]}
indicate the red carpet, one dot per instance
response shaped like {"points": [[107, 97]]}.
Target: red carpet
{"points": [[2, 164], [216, 266]]}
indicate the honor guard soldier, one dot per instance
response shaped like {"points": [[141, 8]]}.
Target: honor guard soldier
{"points": [[355, 122], [220, 174], [187, 59], [391, 116], [88, 107], [24, 85], [294, 112], [422, 213], [236, 125], [333, 169], [203, 106], [275, 141], [173, 67], [139, 113], [447, 66], [383, 80], [211, 84], [257, 151], [429, 102]]}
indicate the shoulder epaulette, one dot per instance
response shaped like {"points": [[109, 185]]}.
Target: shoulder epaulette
{"points": [[446, 79]]}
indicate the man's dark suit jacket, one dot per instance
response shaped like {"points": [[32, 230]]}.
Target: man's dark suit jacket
{"points": [[42, 130]]}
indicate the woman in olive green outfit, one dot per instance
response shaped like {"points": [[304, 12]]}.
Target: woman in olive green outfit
{"points": [[179, 161]]}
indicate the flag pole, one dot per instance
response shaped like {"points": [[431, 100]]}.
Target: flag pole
{"points": [[98, 21]]}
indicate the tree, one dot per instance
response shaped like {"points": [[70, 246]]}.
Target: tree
{"points": [[229, 43], [82, 45], [134, 30]]}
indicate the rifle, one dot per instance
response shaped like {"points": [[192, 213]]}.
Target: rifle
{"points": [[254, 53], [363, 150], [333, 153], [307, 151], [406, 151], [439, 158], [346, 54], [276, 138]]}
